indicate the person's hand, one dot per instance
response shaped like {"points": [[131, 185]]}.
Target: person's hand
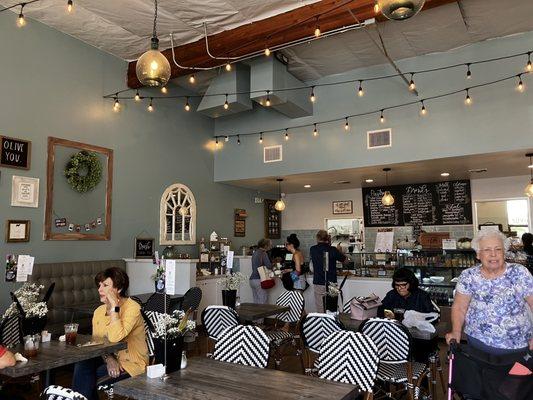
{"points": [[531, 344], [111, 297], [113, 367], [388, 314], [454, 336]]}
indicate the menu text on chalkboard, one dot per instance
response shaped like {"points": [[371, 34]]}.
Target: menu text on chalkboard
{"points": [[440, 203], [144, 247], [15, 153]]}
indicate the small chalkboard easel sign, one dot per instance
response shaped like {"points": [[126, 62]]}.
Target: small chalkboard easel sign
{"points": [[144, 247]]}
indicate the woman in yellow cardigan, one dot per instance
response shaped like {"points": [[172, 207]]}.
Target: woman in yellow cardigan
{"points": [[119, 319]]}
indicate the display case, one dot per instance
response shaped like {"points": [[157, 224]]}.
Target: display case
{"points": [[371, 264]]}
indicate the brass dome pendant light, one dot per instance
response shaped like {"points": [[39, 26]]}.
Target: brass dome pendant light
{"points": [[280, 204], [399, 9], [153, 68], [529, 188], [388, 198]]}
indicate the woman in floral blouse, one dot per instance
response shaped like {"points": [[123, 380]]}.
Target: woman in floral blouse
{"points": [[493, 300]]}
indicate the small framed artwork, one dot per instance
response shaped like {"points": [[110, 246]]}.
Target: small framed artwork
{"points": [[343, 207], [17, 231], [144, 247], [239, 228], [15, 153], [25, 192]]}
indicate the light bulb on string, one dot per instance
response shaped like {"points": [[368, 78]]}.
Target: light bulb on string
{"points": [[238, 140], [137, 96], [116, 106], [192, 79], [468, 99], [412, 85], [317, 29], [468, 72], [315, 131], [376, 8], [267, 101], [312, 97], [187, 105], [423, 110], [261, 138], [267, 51], [150, 106], [21, 21], [346, 124], [69, 6], [216, 142], [382, 117], [520, 86], [226, 104], [286, 134], [228, 67], [360, 91], [164, 90], [226, 138], [529, 67]]}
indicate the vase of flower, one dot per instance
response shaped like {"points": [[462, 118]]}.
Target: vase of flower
{"points": [[174, 352], [230, 283], [33, 325], [229, 298], [330, 303]]}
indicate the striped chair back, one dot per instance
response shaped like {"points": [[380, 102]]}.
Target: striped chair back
{"points": [[192, 299], [349, 357], [316, 327], [151, 319], [293, 299], [55, 392], [346, 307], [392, 339], [216, 319], [10, 331], [246, 345]]}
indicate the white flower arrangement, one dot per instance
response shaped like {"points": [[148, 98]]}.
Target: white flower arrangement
{"points": [[28, 297], [232, 281], [333, 289], [177, 324]]}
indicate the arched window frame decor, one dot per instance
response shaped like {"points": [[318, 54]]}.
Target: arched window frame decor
{"points": [[173, 198]]}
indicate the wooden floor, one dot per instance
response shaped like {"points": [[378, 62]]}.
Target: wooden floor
{"points": [[23, 389]]}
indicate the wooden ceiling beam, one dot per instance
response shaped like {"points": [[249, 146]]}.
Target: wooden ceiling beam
{"points": [[278, 30]]}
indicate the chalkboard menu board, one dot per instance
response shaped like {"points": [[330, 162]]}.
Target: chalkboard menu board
{"points": [[440, 203], [272, 220]]}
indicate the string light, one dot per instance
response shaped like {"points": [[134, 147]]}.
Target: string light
{"points": [[192, 79], [116, 106], [137, 96], [317, 29], [238, 140], [267, 51], [315, 131], [376, 8], [468, 72], [164, 90], [216, 142], [286, 134], [21, 21], [261, 138], [346, 124], [529, 67], [360, 91], [226, 104], [228, 67], [267, 102], [412, 85], [312, 97], [423, 110], [151, 106], [382, 117], [187, 105], [468, 99], [520, 86], [69, 6], [226, 138]]}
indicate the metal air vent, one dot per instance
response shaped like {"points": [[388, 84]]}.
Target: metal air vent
{"points": [[380, 138], [272, 153]]}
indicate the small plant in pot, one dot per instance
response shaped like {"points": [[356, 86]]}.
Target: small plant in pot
{"points": [[159, 279], [230, 283], [331, 298]]}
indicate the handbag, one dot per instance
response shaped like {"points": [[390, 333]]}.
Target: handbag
{"points": [[266, 281], [362, 308]]}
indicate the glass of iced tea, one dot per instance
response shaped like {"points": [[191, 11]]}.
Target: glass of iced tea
{"points": [[31, 345], [71, 332]]}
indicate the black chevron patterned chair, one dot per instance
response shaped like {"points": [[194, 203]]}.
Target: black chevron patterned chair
{"points": [[55, 392], [394, 343], [314, 329], [346, 307], [10, 331], [243, 344], [216, 319], [151, 319], [349, 357], [293, 299]]}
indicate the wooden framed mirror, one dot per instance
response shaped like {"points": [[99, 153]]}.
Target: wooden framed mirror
{"points": [[78, 208]]}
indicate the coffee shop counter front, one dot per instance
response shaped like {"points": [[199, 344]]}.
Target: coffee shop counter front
{"points": [[354, 286]]}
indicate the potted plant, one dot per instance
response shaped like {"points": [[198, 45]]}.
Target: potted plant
{"points": [[230, 283], [159, 279], [26, 303], [331, 298], [172, 328]]}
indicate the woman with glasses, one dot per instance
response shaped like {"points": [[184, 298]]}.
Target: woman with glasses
{"points": [[493, 300]]}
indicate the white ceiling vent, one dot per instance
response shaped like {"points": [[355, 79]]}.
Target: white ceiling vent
{"points": [[377, 139], [272, 153]]}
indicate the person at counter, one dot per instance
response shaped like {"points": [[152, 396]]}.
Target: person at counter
{"points": [[320, 277], [405, 295], [293, 246], [259, 259]]}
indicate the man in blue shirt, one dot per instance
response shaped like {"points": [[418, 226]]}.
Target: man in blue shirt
{"points": [[316, 254]]}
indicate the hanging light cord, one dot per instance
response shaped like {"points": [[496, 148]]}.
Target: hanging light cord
{"points": [[154, 32], [21, 4]]}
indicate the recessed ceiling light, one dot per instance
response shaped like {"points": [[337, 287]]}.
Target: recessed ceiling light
{"points": [[445, 174], [307, 186], [369, 180], [341, 182]]}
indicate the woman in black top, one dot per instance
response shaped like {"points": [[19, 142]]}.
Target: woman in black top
{"points": [[527, 241], [405, 295]]}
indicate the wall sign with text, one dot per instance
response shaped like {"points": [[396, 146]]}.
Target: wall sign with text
{"points": [[15, 153], [144, 247]]}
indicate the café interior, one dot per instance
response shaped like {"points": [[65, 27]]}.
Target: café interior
{"points": [[168, 138]]}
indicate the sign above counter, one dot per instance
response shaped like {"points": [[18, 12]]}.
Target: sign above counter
{"points": [[438, 203]]}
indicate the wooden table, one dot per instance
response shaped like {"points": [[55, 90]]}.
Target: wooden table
{"points": [[56, 354], [206, 379], [249, 312]]}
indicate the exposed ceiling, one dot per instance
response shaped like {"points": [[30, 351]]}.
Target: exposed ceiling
{"points": [[501, 164]]}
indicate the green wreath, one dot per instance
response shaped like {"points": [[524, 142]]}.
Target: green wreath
{"points": [[80, 162]]}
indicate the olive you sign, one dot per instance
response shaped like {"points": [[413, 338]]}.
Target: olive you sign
{"points": [[15, 153]]}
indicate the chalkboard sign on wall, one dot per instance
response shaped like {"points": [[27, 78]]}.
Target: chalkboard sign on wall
{"points": [[15, 153], [440, 203], [144, 247]]}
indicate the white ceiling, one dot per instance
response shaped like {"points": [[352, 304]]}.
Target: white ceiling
{"points": [[501, 164]]}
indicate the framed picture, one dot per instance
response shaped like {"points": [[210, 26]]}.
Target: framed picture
{"points": [[343, 207], [15, 153], [25, 192], [144, 247], [17, 231], [239, 229]]}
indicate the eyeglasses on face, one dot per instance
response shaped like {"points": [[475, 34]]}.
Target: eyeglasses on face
{"points": [[401, 284], [489, 250]]}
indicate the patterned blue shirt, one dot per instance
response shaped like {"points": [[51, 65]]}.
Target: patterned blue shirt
{"points": [[498, 314]]}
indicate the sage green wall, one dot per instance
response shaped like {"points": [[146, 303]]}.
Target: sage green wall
{"points": [[52, 85]]}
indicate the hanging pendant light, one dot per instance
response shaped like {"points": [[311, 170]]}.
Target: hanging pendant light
{"points": [[399, 9], [280, 204], [529, 188], [388, 198], [153, 68]]}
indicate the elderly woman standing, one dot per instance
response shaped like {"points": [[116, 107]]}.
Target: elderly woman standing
{"points": [[492, 300], [260, 259]]}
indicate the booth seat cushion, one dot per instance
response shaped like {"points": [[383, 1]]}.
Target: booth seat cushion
{"points": [[74, 286]]}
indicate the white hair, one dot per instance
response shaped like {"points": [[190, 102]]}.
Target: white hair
{"points": [[485, 234]]}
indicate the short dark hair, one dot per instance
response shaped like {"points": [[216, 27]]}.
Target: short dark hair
{"points": [[405, 275], [117, 275], [527, 239], [293, 239]]}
